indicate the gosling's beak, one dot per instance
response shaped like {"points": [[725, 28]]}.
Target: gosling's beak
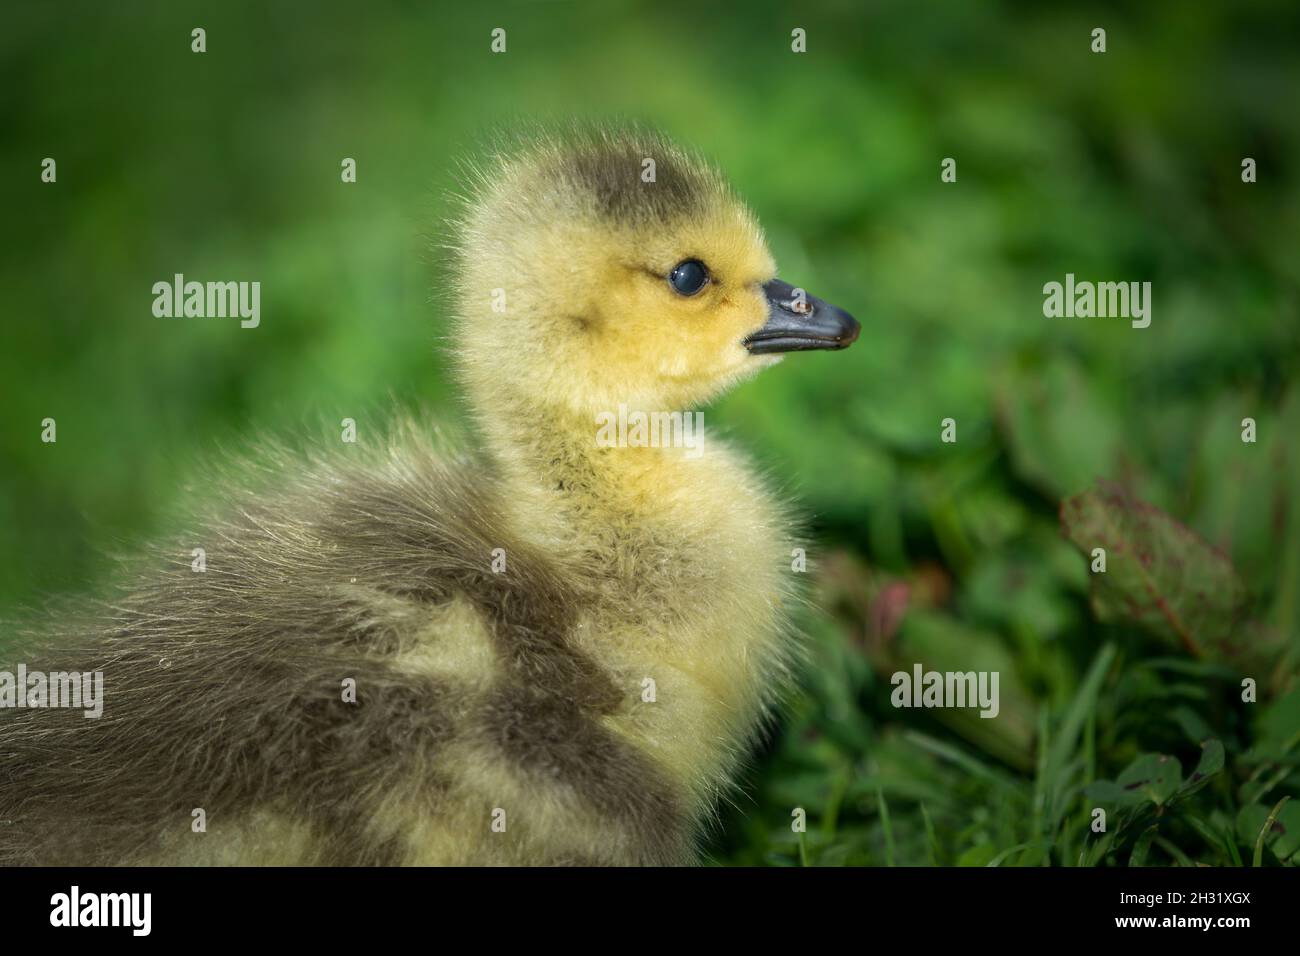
{"points": [[798, 322]]}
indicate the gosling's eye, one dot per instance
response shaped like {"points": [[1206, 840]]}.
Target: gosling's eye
{"points": [[689, 277]]}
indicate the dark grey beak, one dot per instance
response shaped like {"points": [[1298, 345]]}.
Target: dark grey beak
{"points": [[798, 322]]}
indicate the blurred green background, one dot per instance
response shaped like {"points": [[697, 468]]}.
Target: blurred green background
{"points": [[1116, 167]]}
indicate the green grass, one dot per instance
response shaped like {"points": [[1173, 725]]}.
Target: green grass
{"points": [[886, 795]]}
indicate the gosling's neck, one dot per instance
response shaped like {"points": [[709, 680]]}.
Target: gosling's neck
{"points": [[576, 477]]}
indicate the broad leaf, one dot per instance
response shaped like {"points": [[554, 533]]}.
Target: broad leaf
{"points": [[1155, 776], [1163, 576], [1211, 762]]}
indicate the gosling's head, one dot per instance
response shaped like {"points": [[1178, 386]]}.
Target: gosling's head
{"points": [[611, 268]]}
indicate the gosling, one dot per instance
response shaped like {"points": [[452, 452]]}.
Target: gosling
{"points": [[554, 648]]}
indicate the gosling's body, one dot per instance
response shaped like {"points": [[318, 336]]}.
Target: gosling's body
{"points": [[559, 650], [477, 690]]}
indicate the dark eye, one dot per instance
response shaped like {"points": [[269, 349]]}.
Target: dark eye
{"points": [[689, 277]]}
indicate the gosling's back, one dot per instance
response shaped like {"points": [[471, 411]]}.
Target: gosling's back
{"points": [[475, 733]]}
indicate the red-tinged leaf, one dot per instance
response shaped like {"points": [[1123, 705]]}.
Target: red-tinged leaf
{"points": [[888, 608], [1162, 576]]}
